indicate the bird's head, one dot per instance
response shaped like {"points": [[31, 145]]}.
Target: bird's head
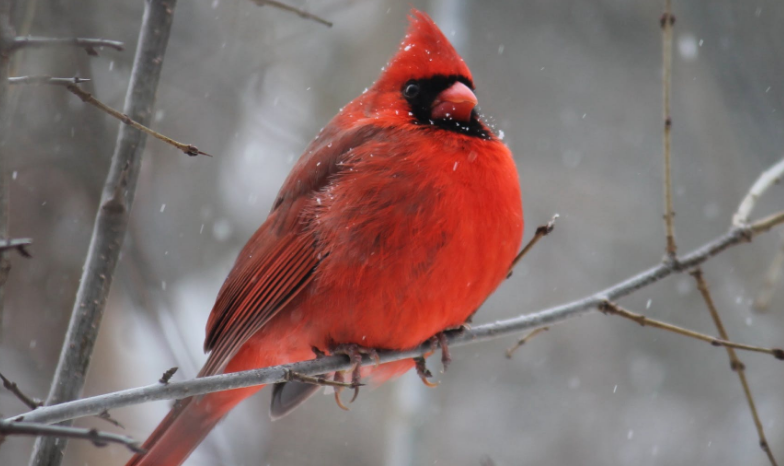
{"points": [[427, 83]]}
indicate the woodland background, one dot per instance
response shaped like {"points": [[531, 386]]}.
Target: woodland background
{"points": [[575, 86]]}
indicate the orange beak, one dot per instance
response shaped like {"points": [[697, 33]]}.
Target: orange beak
{"points": [[455, 103]]}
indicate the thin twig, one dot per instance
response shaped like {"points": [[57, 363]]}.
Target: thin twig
{"points": [[772, 278], [6, 39], [735, 362], [667, 21], [767, 179], [292, 376], [524, 340], [32, 403], [541, 232], [324, 365], [766, 223], [111, 221], [166, 377], [89, 45], [611, 308], [297, 11], [46, 80], [18, 244], [86, 97], [97, 437], [108, 418]]}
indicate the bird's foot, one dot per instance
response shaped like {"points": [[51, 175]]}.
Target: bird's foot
{"points": [[440, 340], [354, 353], [424, 373]]}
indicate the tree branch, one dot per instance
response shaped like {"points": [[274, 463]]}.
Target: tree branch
{"points": [[19, 244], [46, 80], [297, 11], [735, 362], [86, 97], [772, 277], [544, 318], [767, 179], [89, 45], [667, 21], [6, 39], [32, 403], [99, 438], [110, 223], [611, 308]]}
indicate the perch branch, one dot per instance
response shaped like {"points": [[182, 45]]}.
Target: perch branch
{"points": [[110, 223], [99, 438], [767, 179], [46, 80], [89, 45], [735, 362], [611, 308], [544, 318], [86, 97], [667, 21], [297, 11]]}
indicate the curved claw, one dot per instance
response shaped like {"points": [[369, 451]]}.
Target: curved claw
{"points": [[423, 372], [337, 400], [428, 383]]}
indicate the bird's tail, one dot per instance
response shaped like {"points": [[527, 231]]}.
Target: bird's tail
{"points": [[186, 425]]}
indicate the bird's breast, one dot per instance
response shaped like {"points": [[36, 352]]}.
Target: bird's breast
{"points": [[414, 244]]}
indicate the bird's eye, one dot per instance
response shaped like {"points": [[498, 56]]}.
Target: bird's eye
{"points": [[411, 90]]}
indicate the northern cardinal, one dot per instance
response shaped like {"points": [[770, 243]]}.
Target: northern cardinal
{"points": [[397, 222]]}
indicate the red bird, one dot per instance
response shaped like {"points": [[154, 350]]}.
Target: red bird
{"points": [[397, 222]]}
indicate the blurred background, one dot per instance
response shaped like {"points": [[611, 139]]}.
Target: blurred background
{"points": [[576, 88]]}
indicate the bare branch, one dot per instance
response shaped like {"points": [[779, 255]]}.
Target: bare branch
{"points": [[89, 45], [46, 80], [108, 418], [611, 308], [524, 340], [735, 362], [86, 97], [6, 39], [544, 318], [766, 223], [772, 277], [541, 232], [110, 223], [166, 377], [767, 179], [297, 11], [19, 245], [667, 21], [99, 438], [32, 403]]}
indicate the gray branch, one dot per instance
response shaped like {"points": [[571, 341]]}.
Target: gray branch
{"points": [[110, 223], [46, 80], [547, 317], [99, 438], [297, 11], [19, 244], [89, 45], [6, 39]]}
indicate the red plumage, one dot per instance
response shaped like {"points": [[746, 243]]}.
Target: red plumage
{"points": [[392, 227]]}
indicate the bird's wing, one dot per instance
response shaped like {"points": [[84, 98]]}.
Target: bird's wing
{"points": [[280, 258]]}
